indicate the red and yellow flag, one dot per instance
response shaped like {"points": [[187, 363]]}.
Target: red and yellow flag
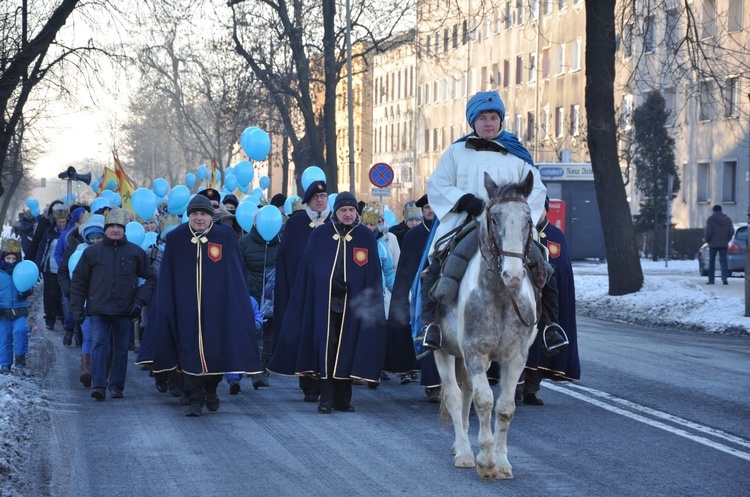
{"points": [[213, 180], [125, 185]]}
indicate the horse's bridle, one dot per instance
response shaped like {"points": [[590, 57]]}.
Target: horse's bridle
{"points": [[495, 263]]}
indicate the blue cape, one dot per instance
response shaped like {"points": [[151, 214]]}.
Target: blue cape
{"points": [[510, 142]]}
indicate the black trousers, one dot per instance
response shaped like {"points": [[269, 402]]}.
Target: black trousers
{"points": [[197, 386], [52, 298], [336, 392]]}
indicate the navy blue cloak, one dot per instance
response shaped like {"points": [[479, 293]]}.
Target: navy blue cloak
{"points": [[294, 239], [565, 366], [303, 339], [217, 337], [400, 356]]}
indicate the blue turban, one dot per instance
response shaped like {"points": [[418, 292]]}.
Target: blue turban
{"points": [[482, 102]]}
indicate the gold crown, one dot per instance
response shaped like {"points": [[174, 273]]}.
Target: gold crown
{"points": [[116, 215], [370, 214], [167, 222], [12, 245], [412, 211], [297, 205]]}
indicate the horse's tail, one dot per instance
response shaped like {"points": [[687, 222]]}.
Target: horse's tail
{"points": [[462, 379]]}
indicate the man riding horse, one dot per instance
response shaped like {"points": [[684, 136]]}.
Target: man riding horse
{"points": [[457, 195]]}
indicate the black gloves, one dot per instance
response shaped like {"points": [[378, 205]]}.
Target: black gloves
{"points": [[79, 315], [470, 204], [339, 288], [26, 294], [135, 309]]}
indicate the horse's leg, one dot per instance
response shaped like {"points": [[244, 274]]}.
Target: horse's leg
{"points": [[451, 398], [505, 408], [483, 402], [467, 393]]}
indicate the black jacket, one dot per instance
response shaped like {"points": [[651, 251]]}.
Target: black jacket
{"points": [[719, 230], [258, 256], [106, 278]]}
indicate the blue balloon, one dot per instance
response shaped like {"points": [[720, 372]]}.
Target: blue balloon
{"points": [[245, 139], [243, 189], [144, 203], [118, 199], [72, 198], [185, 217], [160, 187], [202, 172], [390, 218], [109, 195], [178, 200], [332, 200], [268, 222], [32, 202], [258, 193], [100, 202], [258, 145], [25, 275], [95, 186], [73, 260], [312, 174], [190, 180], [34, 210], [218, 176], [111, 185], [251, 199], [245, 213], [135, 232], [230, 182], [264, 182], [288, 204], [244, 172], [228, 171], [149, 239]]}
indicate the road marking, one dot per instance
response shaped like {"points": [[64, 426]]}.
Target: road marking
{"points": [[568, 390]]}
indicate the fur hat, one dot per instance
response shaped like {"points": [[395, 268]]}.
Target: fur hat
{"points": [[200, 203], [344, 199], [231, 198], [278, 200], [315, 187], [117, 216]]}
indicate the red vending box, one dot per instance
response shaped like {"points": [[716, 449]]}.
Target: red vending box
{"points": [[556, 213]]}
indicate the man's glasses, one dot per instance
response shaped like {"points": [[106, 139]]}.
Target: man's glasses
{"points": [[215, 204], [320, 196]]}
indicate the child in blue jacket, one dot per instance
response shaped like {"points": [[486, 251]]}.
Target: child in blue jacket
{"points": [[14, 333], [234, 379]]}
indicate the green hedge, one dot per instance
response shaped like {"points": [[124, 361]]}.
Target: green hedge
{"points": [[683, 243]]}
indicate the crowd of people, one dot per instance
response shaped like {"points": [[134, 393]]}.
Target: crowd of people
{"points": [[329, 299]]}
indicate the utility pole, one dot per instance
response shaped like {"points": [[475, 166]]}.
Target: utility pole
{"points": [[670, 183], [747, 248], [350, 95]]}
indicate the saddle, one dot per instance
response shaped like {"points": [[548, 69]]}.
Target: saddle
{"points": [[458, 251]]}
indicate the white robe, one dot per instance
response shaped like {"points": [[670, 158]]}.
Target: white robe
{"points": [[461, 171]]}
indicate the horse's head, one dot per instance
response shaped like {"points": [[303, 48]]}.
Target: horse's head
{"points": [[506, 234]]}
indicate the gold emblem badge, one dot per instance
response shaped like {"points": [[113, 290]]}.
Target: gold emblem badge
{"points": [[214, 252], [360, 256], [554, 249]]}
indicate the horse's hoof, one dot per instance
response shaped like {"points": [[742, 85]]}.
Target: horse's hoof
{"points": [[504, 474], [465, 461]]}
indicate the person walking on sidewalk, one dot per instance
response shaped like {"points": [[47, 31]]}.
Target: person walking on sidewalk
{"points": [[719, 230]]}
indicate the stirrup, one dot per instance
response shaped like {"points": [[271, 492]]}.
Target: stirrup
{"points": [[432, 339], [558, 338]]}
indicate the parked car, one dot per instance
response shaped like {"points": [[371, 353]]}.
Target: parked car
{"points": [[735, 252]]}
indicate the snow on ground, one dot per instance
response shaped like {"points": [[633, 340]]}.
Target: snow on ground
{"points": [[673, 296]]}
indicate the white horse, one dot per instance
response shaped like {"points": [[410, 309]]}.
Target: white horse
{"points": [[493, 319]]}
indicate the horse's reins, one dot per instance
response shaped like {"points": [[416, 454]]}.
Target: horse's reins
{"points": [[495, 264]]}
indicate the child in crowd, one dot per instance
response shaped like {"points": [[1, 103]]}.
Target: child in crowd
{"points": [[14, 333]]}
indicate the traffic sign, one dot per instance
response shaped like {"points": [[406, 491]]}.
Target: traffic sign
{"points": [[381, 192], [381, 175]]}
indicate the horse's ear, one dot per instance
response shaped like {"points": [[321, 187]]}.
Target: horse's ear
{"points": [[490, 186], [528, 184]]}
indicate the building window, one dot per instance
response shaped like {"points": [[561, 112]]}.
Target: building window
{"points": [[704, 182], [729, 182], [560, 58], [519, 12], [498, 19], [495, 76], [734, 16], [532, 67], [454, 87], [559, 122], [704, 112], [546, 6], [575, 119], [506, 70], [519, 69], [626, 112], [530, 126], [709, 18], [518, 125], [575, 55], [446, 40], [562, 4], [672, 33], [427, 93], [428, 46], [545, 124], [419, 95], [649, 35], [731, 97], [533, 10], [485, 82], [427, 140], [434, 140], [455, 35], [435, 92], [670, 105], [627, 41], [465, 32], [508, 15], [545, 63], [437, 43], [445, 89], [475, 28], [473, 81]]}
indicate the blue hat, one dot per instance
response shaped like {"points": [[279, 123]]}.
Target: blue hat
{"points": [[91, 230], [482, 102]]}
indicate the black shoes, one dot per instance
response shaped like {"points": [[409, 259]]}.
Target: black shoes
{"points": [[432, 339], [175, 392], [212, 401], [554, 338], [185, 399], [99, 394], [116, 394], [325, 408], [405, 379], [162, 387], [234, 387], [344, 408], [68, 338], [311, 397], [384, 376], [519, 397], [531, 399], [725, 282], [195, 410], [260, 380]]}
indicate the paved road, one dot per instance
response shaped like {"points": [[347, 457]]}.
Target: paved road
{"points": [[657, 413]]}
